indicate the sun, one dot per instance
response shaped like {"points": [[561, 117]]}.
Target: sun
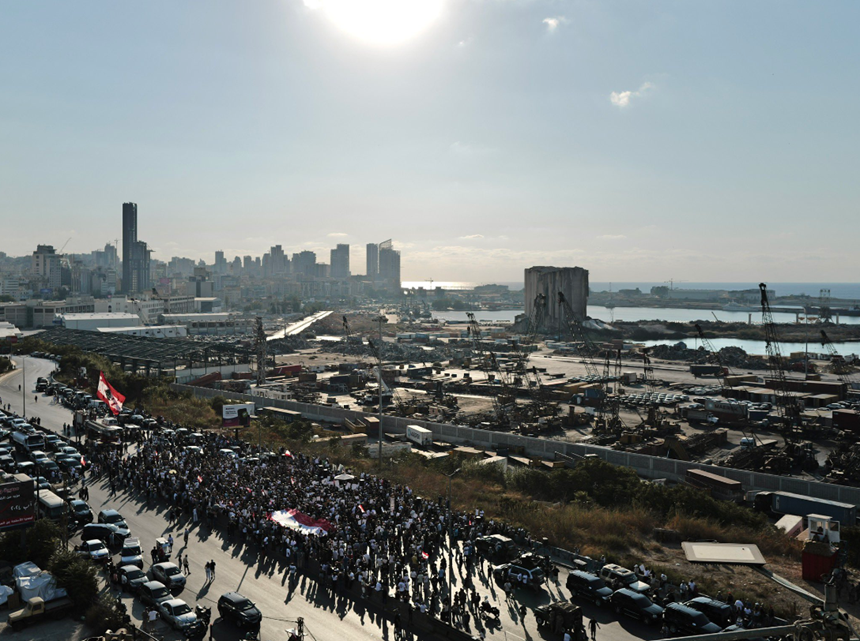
{"points": [[382, 22]]}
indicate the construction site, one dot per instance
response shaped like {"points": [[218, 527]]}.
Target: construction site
{"points": [[569, 383]]}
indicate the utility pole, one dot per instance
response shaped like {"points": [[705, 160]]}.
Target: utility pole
{"points": [[24, 386], [380, 319]]}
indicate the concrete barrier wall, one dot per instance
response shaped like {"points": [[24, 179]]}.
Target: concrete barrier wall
{"points": [[644, 465]]}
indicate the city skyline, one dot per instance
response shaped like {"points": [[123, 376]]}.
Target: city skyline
{"points": [[660, 141]]}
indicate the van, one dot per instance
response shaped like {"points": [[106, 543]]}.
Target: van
{"points": [[618, 577], [51, 506], [104, 532], [153, 593], [588, 586]]}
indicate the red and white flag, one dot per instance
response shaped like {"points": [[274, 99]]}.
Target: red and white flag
{"points": [[109, 395]]}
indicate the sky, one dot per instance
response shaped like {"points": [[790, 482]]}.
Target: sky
{"points": [[697, 141]]}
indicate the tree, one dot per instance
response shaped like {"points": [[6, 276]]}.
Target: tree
{"points": [[42, 541], [77, 576]]}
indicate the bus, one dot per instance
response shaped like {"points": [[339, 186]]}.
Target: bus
{"points": [[718, 486], [51, 506]]}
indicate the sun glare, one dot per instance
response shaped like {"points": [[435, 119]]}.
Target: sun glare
{"points": [[382, 22]]}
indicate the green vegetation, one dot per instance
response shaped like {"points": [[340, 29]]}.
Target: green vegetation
{"points": [[5, 365]]}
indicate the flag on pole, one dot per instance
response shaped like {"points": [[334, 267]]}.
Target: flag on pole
{"points": [[109, 395]]}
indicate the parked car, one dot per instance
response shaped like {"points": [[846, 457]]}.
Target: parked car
{"points": [[618, 577], [534, 577], [716, 611], [234, 607], [80, 511], [681, 618], [169, 574], [131, 553], [153, 593], [114, 518], [177, 613], [588, 586], [496, 546], [131, 577], [94, 550], [560, 614], [104, 532], [637, 605]]}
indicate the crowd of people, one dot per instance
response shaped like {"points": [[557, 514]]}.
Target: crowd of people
{"points": [[382, 538]]}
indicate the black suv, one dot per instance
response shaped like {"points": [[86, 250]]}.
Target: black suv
{"points": [[636, 605], [234, 607], [680, 618], [80, 512], [588, 586], [716, 611], [104, 532], [496, 546]]}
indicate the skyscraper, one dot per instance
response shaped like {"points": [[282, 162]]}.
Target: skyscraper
{"points": [[389, 263], [372, 261], [220, 263], [340, 261], [304, 263], [135, 254], [129, 238]]}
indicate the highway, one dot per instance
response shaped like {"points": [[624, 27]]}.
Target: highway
{"points": [[298, 327], [262, 580]]}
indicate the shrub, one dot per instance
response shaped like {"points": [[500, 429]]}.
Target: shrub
{"points": [[43, 539], [77, 576], [105, 614]]}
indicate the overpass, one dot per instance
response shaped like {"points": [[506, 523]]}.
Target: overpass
{"points": [[298, 327]]}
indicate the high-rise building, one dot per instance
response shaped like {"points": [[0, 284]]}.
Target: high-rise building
{"points": [[389, 263], [279, 261], [304, 263], [129, 238], [340, 261], [372, 261], [220, 262], [135, 254], [549, 281], [45, 264]]}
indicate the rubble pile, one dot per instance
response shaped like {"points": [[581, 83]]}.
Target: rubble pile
{"points": [[731, 357], [391, 352]]}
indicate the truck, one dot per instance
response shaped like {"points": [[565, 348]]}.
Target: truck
{"points": [[419, 435], [41, 384], [707, 370], [799, 505], [36, 610], [26, 442]]}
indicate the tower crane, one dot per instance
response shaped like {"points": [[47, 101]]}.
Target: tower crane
{"points": [[787, 404], [714, 355]]}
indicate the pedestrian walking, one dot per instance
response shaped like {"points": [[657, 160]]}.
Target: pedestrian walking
{"points": [[187, 534], [212, 568], [208, 572], [170, 542], [592, 627], [187, 568]]}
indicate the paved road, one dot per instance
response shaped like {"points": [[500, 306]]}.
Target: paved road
{"points": [[264, 581], [299, 326]]}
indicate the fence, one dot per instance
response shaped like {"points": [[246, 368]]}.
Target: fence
{"points": [[644, 465]]}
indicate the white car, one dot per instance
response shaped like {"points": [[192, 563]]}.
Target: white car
{"points": [[228, 453], [94, 550], [177, 613]]}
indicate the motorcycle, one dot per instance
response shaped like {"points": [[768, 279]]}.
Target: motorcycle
{"points": [[198, 629]]}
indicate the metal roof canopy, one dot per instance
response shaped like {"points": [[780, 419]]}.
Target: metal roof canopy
{"points": [[139, 347], [732, 553]]}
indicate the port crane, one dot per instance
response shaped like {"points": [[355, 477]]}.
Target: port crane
{"points": [[714, 355], [503, 397], [787, 404], [840, 367]]}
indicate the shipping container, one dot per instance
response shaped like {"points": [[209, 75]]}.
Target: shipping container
{"points": [[419, 435], [789, 503], [720, 487]]}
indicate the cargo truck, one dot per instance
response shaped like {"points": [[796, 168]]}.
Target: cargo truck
{"points": [[799, 505], [419, 435], [37, 610], [706, 370], [26, 442]]}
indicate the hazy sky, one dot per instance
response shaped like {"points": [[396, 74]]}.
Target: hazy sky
{"points": [[693, 140]]}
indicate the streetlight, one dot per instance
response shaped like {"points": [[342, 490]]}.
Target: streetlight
{"points": [[450, 539]]}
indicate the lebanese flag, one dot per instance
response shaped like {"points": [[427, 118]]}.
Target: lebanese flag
{"points": [[109, 395], [295, 520]]}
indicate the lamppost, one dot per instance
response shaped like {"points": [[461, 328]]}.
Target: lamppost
{"points": [[24, 386], [450, 539]]}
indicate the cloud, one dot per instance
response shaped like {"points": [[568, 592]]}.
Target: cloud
{"points": [[553, 23], [612, 236], [337, 234], [472, 237], [468, 149], [622, 98]]}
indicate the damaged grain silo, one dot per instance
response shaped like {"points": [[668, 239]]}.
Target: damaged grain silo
{"points": [[549, 281]]}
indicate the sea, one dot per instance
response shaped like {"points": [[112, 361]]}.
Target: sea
{"points": [[837, 290]]}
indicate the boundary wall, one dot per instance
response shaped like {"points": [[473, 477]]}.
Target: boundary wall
{"points": [[647, 466]]}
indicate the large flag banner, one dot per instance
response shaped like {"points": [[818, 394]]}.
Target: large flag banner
{"points": [[109, 395], [295, 520]]}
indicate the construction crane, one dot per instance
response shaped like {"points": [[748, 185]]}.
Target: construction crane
{"points": [[588, 349], [840, 367], [503, 397], [530, 374], [787, 404], [714, 355], [64, 245]]}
